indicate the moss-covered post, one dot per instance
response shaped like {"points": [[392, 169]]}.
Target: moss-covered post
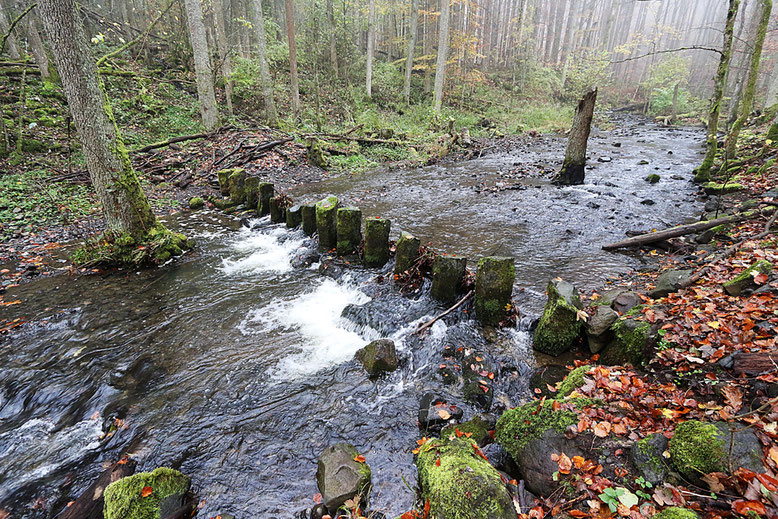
{"points": [[448, 276], [277, 209], [294, 216], [406, 253], [559, 326], [238, 185], [493, 289], [224, 181], [702, 173], [309, 219], [377, 241], [252, 192], [266, 193], [572, 172], [349, 230], [327, 223]]}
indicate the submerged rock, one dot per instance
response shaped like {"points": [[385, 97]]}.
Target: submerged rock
{"points": [[493, 289], [378, 357], [125, 499], [670, 281], [559, 326], [745, 281], [341, 477]]}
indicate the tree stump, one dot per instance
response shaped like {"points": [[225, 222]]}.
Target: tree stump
{"points": [[572, 172]]}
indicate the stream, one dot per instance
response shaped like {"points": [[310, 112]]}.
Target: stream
{"points": [[237, 368]]}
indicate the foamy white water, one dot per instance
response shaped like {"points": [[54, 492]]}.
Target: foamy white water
{"points": [[261, 252]]}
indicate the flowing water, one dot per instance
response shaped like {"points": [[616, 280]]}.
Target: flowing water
{"points": [[236, 367]]}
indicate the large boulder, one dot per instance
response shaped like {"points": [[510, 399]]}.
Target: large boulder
{"points": [[560, 325], [647, 457], [459, 483], [669, 282], [147, 495], [341, 477], [598, 326], [632, 340], [378, 357], [745, 281]]}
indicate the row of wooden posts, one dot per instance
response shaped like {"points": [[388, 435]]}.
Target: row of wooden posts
{"points": [[340, 229]]}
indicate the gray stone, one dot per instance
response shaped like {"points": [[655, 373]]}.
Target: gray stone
{"points": [[309, 219], [407, 253], [742, 448], [252, 192], [448, 275], [349, 230], [277, 210], [266, 193], [378, 357], [340, 477], [626, 301], [535, 464], [493, 289], [598, 328], [327, 223], [377, 241], [294, 216], [669, 282], [434, 412], [647, 456]]}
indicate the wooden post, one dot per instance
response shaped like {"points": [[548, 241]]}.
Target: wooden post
{"points": [[572, 172]]}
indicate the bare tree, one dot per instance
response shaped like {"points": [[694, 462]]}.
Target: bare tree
{"points": [[264, 70], [225, 56], [411, 46], [370, 48], [202, 62], [440, 70], [289, 5], [573, 169]]}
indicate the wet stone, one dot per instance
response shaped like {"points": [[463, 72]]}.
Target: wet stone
{"points": [[377, 241], [669, 282], [237, 183], [493, 289], [647, 457], [378, 357], [294, 216], [448, 275], [349, 230], [435, 412], [266, 193], [252, 192], [407, 252], [327, 222], [277, 210], [224, 181], [340, 477], [308, 212], [625, 302]]}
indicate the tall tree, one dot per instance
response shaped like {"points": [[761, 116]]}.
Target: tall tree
{"points": [[37, 47], [753, 74], [11, 46], [265, 78], [370, 48], [411, 46], [289, 6], [125, 207], [225, 56], [440, 70], [202, 63], [703, 172], [333, 41]]}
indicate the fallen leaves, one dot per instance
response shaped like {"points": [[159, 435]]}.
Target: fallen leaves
{"points": [[146, 492], [359, 458]]}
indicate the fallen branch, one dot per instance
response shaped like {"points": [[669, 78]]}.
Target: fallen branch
{"points": [[105, 71], [462, 301], [168, 142], [360, 140], [693, 47]]}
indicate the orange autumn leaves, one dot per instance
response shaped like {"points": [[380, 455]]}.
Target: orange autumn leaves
{"points": [[146, 492]]}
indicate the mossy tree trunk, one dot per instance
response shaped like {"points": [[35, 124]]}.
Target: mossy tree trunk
{"points": [[202, 62], [264, 69], [572, 172], [703, 172], [749, 92], [125, 207]]}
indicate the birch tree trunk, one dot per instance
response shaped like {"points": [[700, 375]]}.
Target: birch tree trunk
{"points": [[370, 48], [224, 53], [264, 70], [440, 70], [572, 172], [411, 46], [703, 172], [289, 6], [202, 63], [124, 205], [753, 74]]}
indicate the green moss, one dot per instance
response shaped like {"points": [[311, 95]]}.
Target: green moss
{"points": [[747, 276], [518, 426], [653, 178], [196, 203], [572, 381], [460, 484], [713, 188], [477, 428], [696, 448], [645, 447], [493, 289], [158, 246], [631, 339], [559, 325], [675, 512], [124, 500]]}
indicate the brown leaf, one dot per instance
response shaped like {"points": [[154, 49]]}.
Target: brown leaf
{"points": [[733, 396], [146, 492], [359, 458]]}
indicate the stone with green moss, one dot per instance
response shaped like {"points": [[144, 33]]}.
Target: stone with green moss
{"points": [[237, 183], [647, 457], [772, 134], [309, 219], [327, 223], [252, 192], [223, 203], [715, 188], [277, 209], [316, 155], [407, 252], [518, 426], [559, 326], [196, 203], [460, 484], [448, 276], [377, 241], [349, 230], [341, 477], [632, 338], [493, 289], [266, 193], [573, 381], [676, 512], [653, 178], [477, 429], [294, 216], [124, 498], [224, 181], [697, 449], [745, 280]]}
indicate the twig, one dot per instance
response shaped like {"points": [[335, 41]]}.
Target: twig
{"points": [[141, 36], [693, 47], [168, 142], [444, 314]]}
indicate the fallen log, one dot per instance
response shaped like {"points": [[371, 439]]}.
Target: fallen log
{"points": [[168, 142], [753, 364], [89, 505], [360, 140], [18, 71]]}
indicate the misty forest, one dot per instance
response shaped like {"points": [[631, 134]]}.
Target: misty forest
{"points": [[388, 259]]}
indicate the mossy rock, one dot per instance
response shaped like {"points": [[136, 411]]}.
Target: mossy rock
{"points": [[772, 134], [493, 289], [124, 498], [196, 203], [327, 223], [653, 178], [34, 146], [745, 280], [477, 429], [676, 512], [646, 456], [518, 426], [341, 477], [632, 339], [714, 188], [559, 326], [572, 381], [460, 484], [696, 449], [349, 230], [378, 357], [448, 276]]}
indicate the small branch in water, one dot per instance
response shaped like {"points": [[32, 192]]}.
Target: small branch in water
{"points": [[462, 301]]}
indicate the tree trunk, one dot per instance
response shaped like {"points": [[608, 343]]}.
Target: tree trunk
{"points": [[572, 172], [703, 172], [370, 49], [37, 48], [224, 53], [289, 6], [674, 114], [753, 74], [202, 63], [125, 207], [440, 69], [333, 41], [411, 47], [264, 70], [11, 46]]}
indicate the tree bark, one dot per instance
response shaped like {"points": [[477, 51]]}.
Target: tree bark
{"points": [[224, 53], [10, 44], [202, 63], [370, 49], [289, 6], [703, 172], [572, 172], [264, 70], [753, 74], [125, 207], [333, 40], [440, 69], [37, 48], [411, 47]]}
